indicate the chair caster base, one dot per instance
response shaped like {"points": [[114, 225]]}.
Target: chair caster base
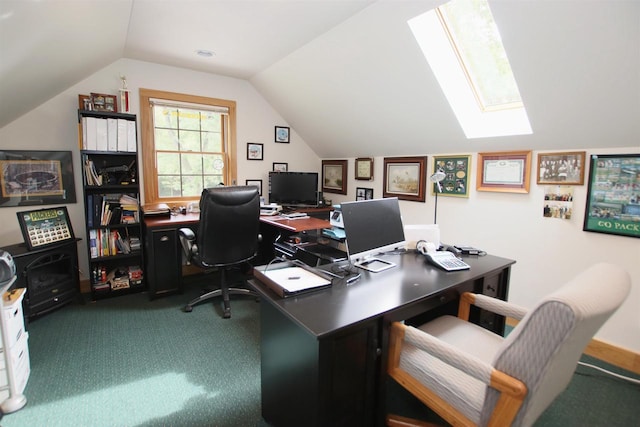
{"points": [[227, 313], [188, 309]]}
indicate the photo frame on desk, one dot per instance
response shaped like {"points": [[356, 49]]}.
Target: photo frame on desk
{"points": [[45, 227]]}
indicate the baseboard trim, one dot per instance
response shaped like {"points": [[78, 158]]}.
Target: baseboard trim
{"points": [[609, 353]]}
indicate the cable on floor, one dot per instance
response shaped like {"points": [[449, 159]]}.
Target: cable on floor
{"points": [[622, 377]]}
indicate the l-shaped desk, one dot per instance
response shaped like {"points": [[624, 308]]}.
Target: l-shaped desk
{"points": [[323, 354], [163, 256]]}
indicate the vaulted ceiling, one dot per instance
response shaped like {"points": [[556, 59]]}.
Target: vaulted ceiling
{"points": [[347, 76]]}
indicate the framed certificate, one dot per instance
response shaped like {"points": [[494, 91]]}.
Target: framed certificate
{"points": [[364, 169], [504, 171]]}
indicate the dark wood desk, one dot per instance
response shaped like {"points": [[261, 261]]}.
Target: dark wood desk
{"points": [[163, 254], [323, 354]]}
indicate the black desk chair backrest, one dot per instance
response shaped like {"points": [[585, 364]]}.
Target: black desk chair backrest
{"points": [[227, 237], [229, 225]]}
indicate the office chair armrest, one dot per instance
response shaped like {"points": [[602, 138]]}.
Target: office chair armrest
{"points": [[454, 357], [187, 233], [491, 304], [447, 353], [188, 242]]}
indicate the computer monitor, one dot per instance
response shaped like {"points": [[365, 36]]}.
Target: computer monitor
{"points": [[372, 227], [296, 189]]}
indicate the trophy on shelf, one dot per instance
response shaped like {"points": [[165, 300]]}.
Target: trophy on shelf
{"points": [[124, 96]]}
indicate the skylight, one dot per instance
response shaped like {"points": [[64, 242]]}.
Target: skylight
{"points": [[462, 45]]}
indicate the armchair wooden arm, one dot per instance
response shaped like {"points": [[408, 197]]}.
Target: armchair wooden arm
{"points": [[512, 390]]}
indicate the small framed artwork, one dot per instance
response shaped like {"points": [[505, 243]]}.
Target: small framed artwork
{"points": [[364, 193], [364, 169], [280, 167], [334, 176], [254, 151], [507, 171], [561, 168], [104, 102], [613, 199], [456, 179], [405, 178], [282, 134], [256, 182], [45, 227]]}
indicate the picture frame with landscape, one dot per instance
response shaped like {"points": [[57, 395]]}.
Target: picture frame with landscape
{"points": [[405, 178], [334, 176]]}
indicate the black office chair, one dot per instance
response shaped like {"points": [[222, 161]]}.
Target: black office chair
{"points": [[227, 238]]}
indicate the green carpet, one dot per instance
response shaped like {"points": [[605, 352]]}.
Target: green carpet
{"points": [[128, 361]]}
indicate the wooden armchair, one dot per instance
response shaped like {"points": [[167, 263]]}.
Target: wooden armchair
{"points": [[471, 376]]}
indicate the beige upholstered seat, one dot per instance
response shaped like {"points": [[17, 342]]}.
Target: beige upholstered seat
{"points": [[470, 376]]}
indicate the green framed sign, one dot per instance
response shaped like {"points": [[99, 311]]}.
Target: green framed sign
{"points": [[613, 198]]}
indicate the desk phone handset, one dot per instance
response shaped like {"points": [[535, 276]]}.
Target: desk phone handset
{"points": [[445, 259]]}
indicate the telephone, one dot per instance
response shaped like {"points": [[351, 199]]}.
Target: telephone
{"points": [[446, 259]]}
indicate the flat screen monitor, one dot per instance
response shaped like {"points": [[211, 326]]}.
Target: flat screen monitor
{"points": [[372, 227], [297, 189]]}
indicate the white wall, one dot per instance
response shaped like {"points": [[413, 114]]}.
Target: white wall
{"points": [[53, 126], [547, 251]]}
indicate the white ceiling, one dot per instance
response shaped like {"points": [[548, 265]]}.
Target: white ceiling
{"points": [[346, 75]]}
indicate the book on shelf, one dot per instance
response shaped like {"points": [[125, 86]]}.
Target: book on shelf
{"points": [[111, 209], [105, 242], [90, 173]]}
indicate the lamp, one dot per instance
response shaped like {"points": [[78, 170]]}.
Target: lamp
{"points": [[438, 176]]}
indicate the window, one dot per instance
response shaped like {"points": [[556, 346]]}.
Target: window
{"points": [[188, 143], [461, 42]]}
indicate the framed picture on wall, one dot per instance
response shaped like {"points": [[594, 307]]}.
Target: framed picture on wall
{"points": [[256, 182], [456, 179], [561, 168], [613, 196], [405, 178], [364, 193], [282, 134], [334, 176], [254, 151], [507, 171], [34, 177], [280, 167]]}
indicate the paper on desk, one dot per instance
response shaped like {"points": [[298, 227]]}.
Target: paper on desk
{"points": [[295, 279]]}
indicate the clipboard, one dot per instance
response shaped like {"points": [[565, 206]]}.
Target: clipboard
{"points": [[290, 281]]}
